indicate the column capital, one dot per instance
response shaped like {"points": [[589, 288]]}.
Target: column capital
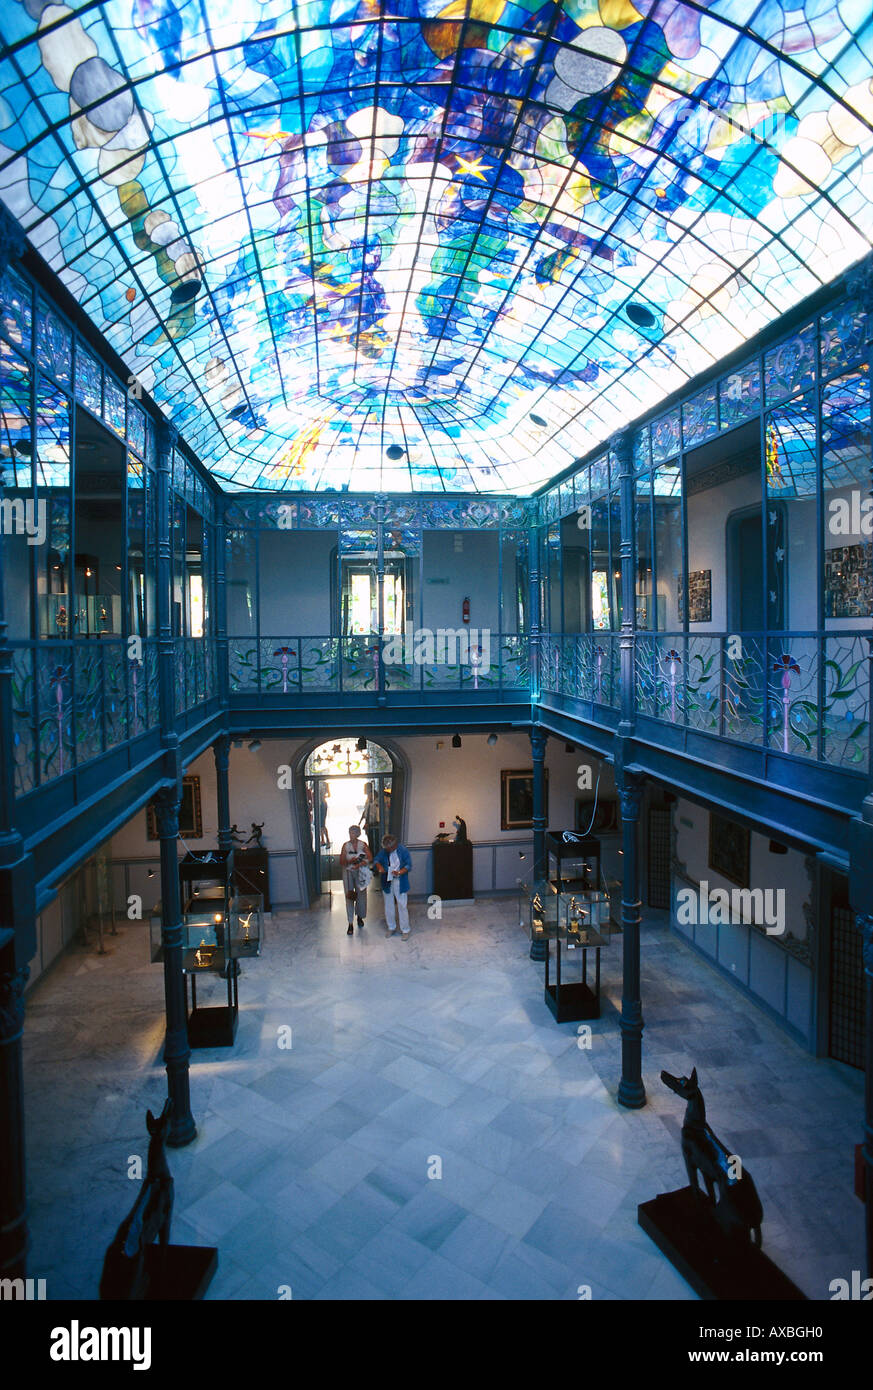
{"points": [[167, 802], [221, 752], [12, 983], [13, 242], [167, 439], [630, 787], [621, 447], [538, 741]]}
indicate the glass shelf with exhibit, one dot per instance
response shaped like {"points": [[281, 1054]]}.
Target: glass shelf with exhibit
{"points": [[576, 922]]}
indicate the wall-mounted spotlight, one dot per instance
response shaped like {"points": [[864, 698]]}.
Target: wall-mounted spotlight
{"points": [[492, 739], [254, 745], [776, 848], [456, 740], [361, 744]]}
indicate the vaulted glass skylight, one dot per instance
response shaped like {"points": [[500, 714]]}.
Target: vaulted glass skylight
{"points": [[393, 246]]}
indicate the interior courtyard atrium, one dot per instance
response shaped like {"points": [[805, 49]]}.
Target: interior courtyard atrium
{"points": [[436, 650]]}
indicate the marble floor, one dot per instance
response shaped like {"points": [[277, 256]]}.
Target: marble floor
{"points": [[431, 1132]]}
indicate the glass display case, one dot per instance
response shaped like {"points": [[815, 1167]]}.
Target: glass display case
{"points": [[217, 932], [573, 921], [211, 935], [553, 912], [573, 861]]}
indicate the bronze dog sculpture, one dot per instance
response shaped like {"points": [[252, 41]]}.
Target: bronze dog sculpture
{"points": [[738, 1208], [124, 1273]]}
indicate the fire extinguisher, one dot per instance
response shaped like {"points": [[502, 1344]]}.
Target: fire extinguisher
{"points": [[465, 610]]}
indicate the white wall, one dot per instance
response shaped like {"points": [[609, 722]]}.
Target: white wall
{"points": [[771, 974], [471, 573], [708, 512], [295, 581]]}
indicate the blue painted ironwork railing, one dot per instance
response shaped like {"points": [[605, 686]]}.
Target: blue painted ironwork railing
{"points": [[802, 693], [73, 700], [333, 665], [587, 665], [196, 671]]}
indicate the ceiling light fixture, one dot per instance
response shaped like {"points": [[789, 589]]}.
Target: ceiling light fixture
{"points": [[456, 740], [361, 745], [492, 739], [395, 452], [640, 315], [254, 745]]}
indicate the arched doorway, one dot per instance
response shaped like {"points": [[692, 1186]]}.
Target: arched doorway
{"points": [[346, 781]]}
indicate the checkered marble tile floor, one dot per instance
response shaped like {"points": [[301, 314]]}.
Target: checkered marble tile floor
{"points": [[431, 1132]]}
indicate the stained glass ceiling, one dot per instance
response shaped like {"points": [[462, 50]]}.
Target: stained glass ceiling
{"points": [[401, 246]]}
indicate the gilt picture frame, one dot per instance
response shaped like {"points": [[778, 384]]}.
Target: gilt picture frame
{"points": [[190, 813], [516, 798]]}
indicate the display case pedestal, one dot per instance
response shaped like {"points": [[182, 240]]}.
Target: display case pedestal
{"points": [[180, 1273], [684, 1227], [453, 871], [570, 1002], [214, 1025]]}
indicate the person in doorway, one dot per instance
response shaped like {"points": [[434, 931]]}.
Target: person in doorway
{"points": [[325, 806], [394, 863], [369, 818], [354, 854]]}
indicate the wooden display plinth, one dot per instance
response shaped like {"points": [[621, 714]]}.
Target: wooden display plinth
{"points": [[684, 1227], [213, 1026], [570, 1003], [180, 1273]]}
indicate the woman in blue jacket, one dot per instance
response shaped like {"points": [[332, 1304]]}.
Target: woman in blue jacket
{"points": [[394, 862]]}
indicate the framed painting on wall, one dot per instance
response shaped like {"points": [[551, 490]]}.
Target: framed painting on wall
{"points": [[848, 580], [605, 817], [516, 799], [190, 817], [729, 850], [699, 596]]}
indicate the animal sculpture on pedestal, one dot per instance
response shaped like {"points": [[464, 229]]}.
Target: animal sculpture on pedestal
{"points": [[738, 1207], [461, 827], [124, 1272]]}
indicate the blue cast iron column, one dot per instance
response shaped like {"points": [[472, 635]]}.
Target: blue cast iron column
{"points": [[631, 1091], [13, 1204], [176, 1049], [167, 802], [17, 926], [221, 753], [621, 450], [221, 643], [538, 740], [534, 608], [166, 441], [865, 925], [860, 287]]}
